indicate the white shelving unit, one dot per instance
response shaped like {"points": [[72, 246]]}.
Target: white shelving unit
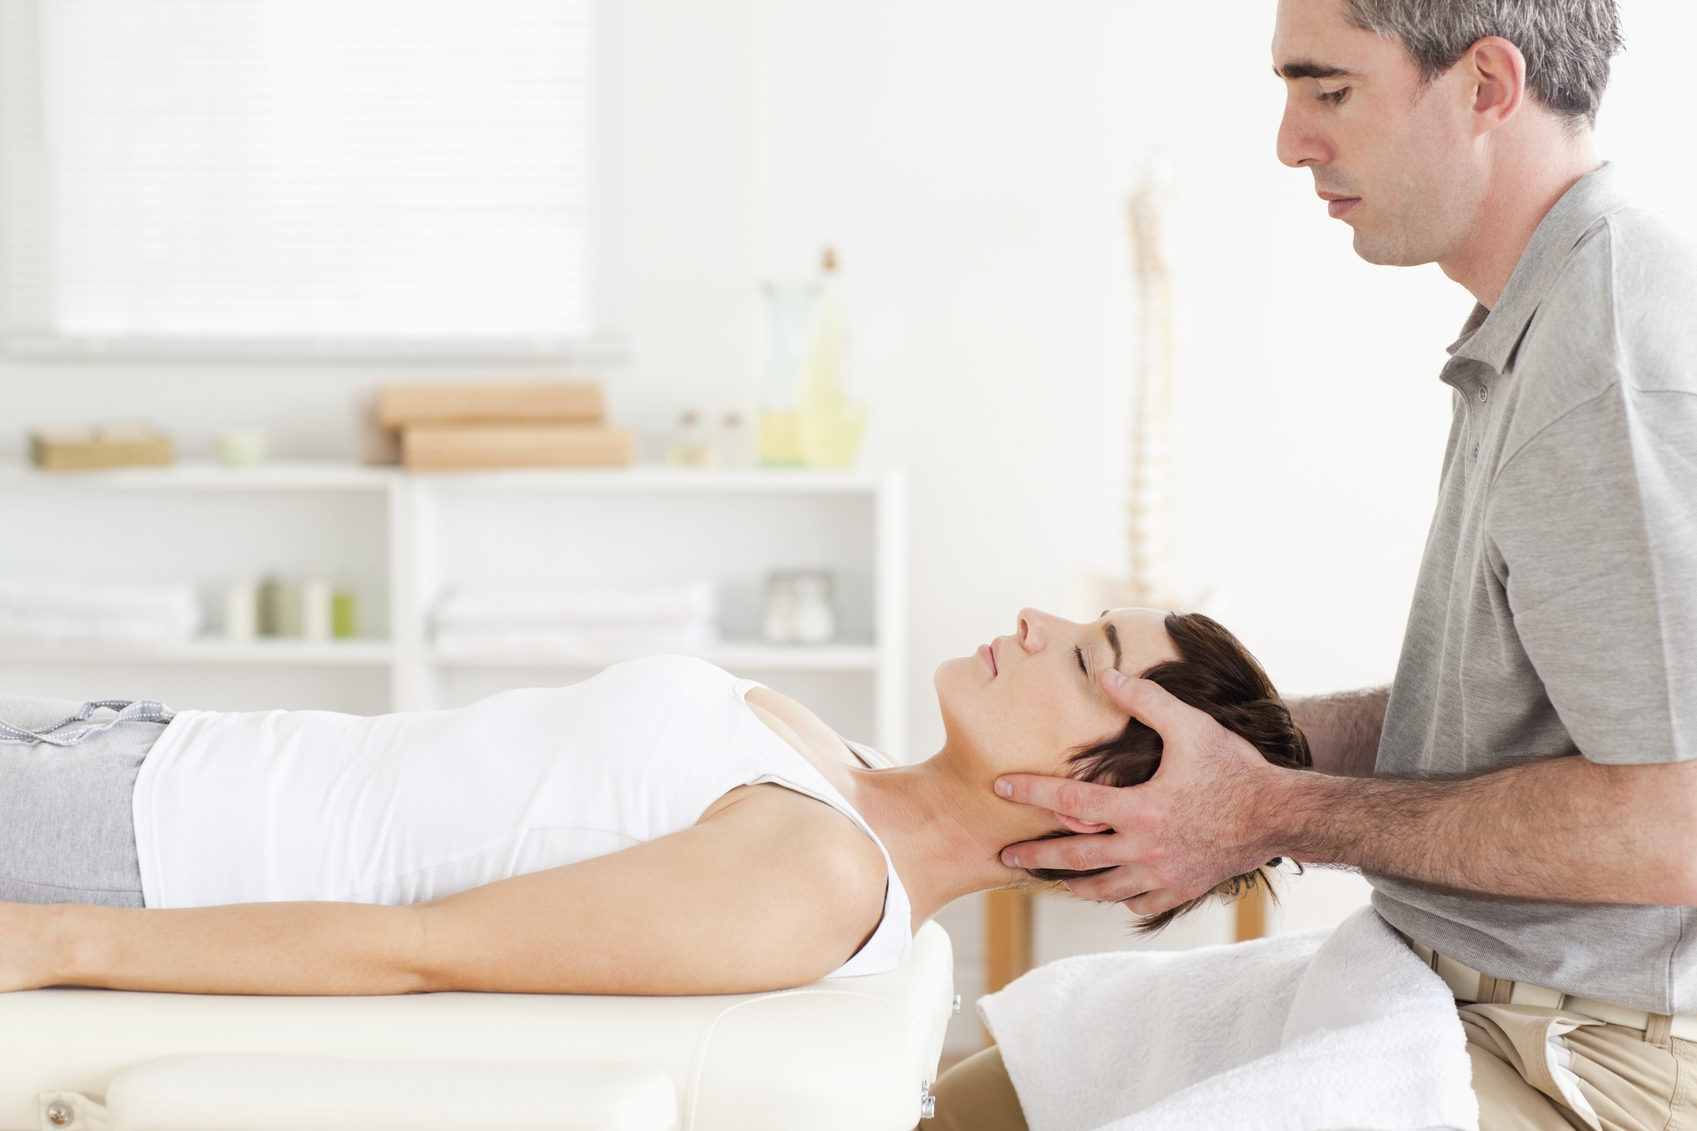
{"points": [[210, 650], [401, 541]]}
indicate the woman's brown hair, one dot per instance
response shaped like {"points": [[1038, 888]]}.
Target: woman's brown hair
{"points": [[1215, 674]]}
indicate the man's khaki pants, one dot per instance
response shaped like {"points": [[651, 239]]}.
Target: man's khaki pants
{"points": [[1633, 1079]]}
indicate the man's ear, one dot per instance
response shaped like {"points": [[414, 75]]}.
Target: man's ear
{"points": [[1494, 71]]}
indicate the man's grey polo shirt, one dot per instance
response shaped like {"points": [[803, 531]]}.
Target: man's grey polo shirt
{"points": [[1556, 610]]}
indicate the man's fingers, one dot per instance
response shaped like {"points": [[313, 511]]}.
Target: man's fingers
{"points": [[1116, 886], [1067, 853], [1150, 703], [1084, 801], [1154, 902]]}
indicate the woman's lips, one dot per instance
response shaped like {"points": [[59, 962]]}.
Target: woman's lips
{"points": [[988, 655]]}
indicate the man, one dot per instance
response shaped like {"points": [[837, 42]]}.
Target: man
{"points": [[1524, 797]]}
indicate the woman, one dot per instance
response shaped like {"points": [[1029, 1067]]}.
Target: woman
{"points": [[660, 829]]}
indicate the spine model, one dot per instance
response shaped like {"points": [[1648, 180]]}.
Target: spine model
{"points": [[1149, 501]]}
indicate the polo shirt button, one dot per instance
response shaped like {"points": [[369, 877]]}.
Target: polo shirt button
{"points": [[1475, 451], [1484, 394]]}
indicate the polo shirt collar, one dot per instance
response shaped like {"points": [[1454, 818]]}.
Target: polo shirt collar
{"points": [[1490, 335]]}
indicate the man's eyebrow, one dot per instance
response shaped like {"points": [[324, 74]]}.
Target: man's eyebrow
{"points": [[1312, 71], [1114, 641]]}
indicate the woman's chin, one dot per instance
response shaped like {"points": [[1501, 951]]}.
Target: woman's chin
{"points": [[952, 675]]}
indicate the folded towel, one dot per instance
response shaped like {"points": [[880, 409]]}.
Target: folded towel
{"points": [[595, 617], [52, 611], [1324, 1029]]}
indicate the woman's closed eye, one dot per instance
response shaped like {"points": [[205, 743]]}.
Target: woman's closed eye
{"points": [[1078, 652]]}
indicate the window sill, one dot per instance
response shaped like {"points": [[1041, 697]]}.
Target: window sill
{"points": [[598, 349]]}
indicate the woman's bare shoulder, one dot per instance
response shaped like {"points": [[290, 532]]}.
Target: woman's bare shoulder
{"points": [[812, 834]]}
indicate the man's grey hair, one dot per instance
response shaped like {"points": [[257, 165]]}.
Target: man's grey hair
{"points": [[1567, 43]]}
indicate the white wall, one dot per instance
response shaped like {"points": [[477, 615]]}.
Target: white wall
{"points": [[970, 160]]}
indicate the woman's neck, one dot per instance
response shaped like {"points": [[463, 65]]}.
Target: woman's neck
{"points": [[944, 828], [940, 820]]}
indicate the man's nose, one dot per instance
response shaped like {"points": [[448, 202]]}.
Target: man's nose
{"points": [[1300, 143]]}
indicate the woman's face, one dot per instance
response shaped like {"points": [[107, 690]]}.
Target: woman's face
{"points": [[1028, 700]]}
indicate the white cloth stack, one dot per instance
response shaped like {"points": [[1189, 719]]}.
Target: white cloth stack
{"points": [[50, 611], [1324, 1029], [584, 617]]}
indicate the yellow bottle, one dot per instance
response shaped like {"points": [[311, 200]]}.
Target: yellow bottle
{"points": [[827, 423], [780, 444]]}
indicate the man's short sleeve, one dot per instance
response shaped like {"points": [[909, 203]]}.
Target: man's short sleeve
{"points": [[1593, 532]]}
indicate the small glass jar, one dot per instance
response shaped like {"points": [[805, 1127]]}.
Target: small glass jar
{"points": [[799, 608], [692, 446], [735, 448]]}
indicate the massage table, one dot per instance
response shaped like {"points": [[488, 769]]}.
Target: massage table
{"points": [[856, 1054]]}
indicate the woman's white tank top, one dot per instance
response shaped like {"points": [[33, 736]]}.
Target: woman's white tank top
{"points": [[397, 809]]}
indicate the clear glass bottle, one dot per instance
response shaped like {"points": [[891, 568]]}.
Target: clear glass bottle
{"points": [[691, 444], [734, 448], [790, 311]]}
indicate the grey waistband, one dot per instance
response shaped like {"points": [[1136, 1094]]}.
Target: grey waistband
{"points": [[143, 710]]}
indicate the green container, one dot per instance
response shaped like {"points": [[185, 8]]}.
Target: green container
{"points": [[344, 615]]}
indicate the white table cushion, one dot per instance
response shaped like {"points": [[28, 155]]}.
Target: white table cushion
{"points": [[849, 1053], [258, 1092]]}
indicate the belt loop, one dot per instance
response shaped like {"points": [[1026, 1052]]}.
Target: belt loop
{"points": [[1658, 1030], [1495, 991]]}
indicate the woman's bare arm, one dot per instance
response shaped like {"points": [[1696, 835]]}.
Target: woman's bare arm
{"points": [[773, 890]]}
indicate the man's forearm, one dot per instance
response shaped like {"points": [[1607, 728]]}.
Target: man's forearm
{"points": [[1343, 730], [1563, 829]]}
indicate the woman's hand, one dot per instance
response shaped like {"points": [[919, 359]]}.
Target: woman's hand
{"points": [[28, 958]]}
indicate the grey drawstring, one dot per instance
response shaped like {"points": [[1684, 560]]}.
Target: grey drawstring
{"points": [[142, 711]]}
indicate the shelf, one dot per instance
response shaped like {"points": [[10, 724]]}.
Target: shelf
{"points": [[400, 539], [735, 656], [661, 479], [356, 653], [330, 476], [208, 650], [280, 476]]}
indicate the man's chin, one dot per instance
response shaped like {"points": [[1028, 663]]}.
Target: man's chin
{"points": [[1384, 252]]}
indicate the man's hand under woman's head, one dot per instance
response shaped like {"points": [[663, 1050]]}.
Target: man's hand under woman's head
{"points": [[1177, 806]]}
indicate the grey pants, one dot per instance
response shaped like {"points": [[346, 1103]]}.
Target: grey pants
{"points": [[67, 829]]}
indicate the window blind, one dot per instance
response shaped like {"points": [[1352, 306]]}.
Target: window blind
{"points": [[304, 171]]}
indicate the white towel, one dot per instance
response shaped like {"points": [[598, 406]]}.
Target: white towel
{"points": [[1324, 1029], [54, 611], [593, 617]]}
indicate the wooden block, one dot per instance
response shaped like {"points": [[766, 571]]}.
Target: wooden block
{"points": [[1252, 915], [491, 402], [1008, 937], [109, 445], [460, 447], [378, 446]]}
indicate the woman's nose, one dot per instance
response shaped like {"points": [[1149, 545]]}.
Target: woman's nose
{"points": [[1033, 629]]}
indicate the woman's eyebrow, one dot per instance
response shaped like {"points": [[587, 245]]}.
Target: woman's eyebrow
{"points": [[1113, 641]]}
